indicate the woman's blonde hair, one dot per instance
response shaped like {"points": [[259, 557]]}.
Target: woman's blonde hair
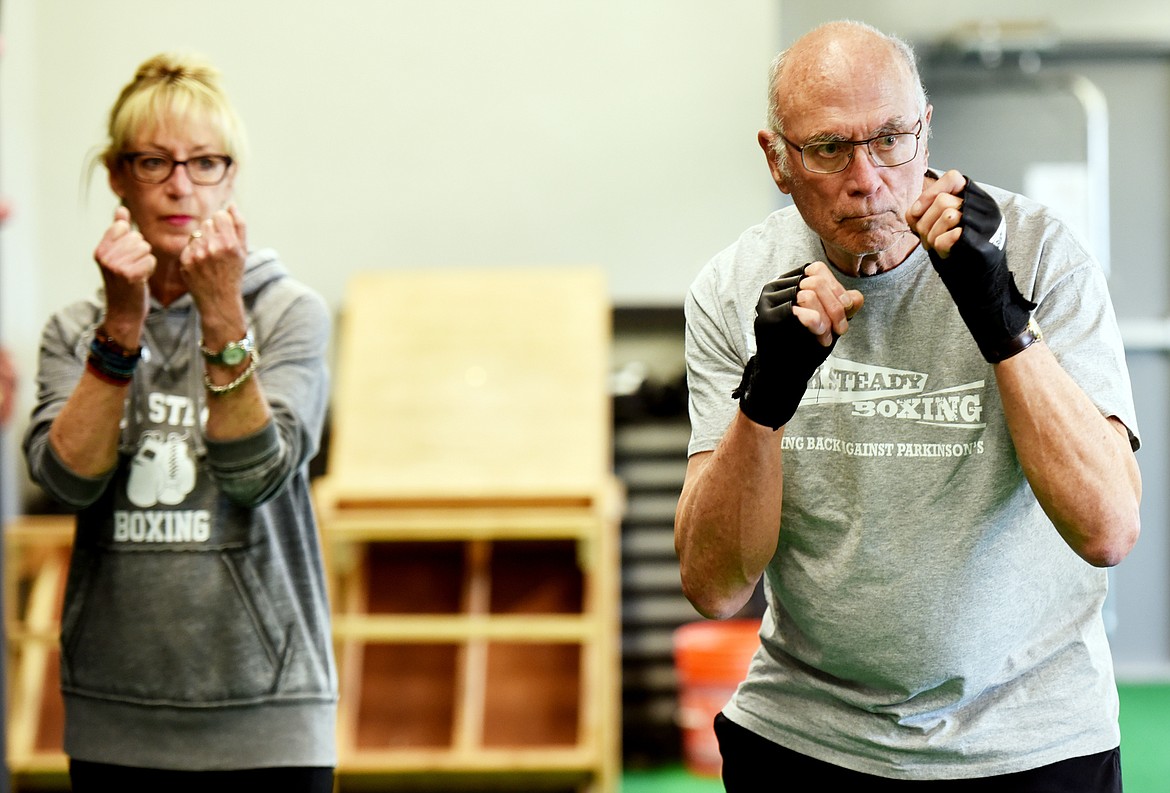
{"points": [[176, 87]]}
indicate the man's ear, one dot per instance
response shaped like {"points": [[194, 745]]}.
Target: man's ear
{"points": [[767, 140]]}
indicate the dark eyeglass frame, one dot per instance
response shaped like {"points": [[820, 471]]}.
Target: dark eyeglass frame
{"points": [[853, 144], [131, 158]]}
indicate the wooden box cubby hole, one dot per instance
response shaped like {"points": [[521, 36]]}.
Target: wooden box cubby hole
{"points": [[481, 659], [481, 692]]}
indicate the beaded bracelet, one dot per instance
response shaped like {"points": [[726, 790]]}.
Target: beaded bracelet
{"points": [[109, 361], [102, 336], [220, 390]]}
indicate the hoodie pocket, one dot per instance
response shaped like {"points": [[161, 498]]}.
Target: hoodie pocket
{"points": [[173, 627]]}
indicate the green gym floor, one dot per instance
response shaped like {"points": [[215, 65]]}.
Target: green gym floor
{"points": [[1145, 759]]}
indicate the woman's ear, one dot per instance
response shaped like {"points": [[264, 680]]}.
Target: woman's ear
{"points": [[117, 179]]}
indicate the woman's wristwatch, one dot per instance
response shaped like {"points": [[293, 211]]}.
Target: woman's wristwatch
{"points": [[232, 354]]}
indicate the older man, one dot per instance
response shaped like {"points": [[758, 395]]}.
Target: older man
{"points": [[928, 457]]}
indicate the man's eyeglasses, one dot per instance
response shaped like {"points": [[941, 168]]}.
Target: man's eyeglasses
{"points": [[886, 151], [154, 168]]}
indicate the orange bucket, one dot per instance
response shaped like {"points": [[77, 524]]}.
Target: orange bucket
{"points": [[710, 658]]}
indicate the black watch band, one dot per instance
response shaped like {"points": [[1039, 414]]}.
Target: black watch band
{"points": [[1017, 344]]}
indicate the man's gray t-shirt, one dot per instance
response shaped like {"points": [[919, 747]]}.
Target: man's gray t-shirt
{"points": [[925, 620]]}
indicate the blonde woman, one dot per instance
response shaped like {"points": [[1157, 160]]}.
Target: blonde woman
{"points": [[177, 413]]}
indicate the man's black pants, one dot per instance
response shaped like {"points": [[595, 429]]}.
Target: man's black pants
{"points": [[749, 761]]}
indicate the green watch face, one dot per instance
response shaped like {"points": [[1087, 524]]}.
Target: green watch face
{"points": [[233, 354]]}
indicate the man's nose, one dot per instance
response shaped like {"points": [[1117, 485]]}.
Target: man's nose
{"points": [[863, 169]]}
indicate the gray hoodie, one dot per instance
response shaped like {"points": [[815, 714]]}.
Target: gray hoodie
{"points": [[195, 630]]}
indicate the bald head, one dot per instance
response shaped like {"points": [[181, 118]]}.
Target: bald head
{"points": [[829, 63]]}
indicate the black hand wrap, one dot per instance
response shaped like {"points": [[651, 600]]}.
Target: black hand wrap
{"points": [[975, 272], [787, 355]]}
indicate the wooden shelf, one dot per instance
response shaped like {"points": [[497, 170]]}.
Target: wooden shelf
{"points": [[36, 558]]}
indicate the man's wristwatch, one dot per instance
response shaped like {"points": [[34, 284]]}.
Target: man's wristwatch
{"points": [[1020, 342], [233, 353]]}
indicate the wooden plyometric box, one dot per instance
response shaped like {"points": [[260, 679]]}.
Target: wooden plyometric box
{"points": [[469, 516], [472, 386]]}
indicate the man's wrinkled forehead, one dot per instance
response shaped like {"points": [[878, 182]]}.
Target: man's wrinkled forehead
{"points": [[874, 93], [839, 132]]}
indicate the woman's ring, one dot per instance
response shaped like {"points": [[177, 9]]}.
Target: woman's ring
{"points": [[196, 234]]}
